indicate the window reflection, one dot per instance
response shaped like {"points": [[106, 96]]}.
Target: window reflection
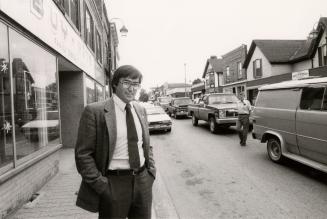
{"points": [[35, 96], [6, 140], [100, 93], [90, 90]]}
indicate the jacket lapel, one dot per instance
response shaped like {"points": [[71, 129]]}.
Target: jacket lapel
{"points": [[141, 116], [110, 117]]}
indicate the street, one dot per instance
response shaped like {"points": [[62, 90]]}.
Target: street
{"points": [[211, 176]]}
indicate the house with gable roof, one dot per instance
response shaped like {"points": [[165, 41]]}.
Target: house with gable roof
{"points": [[233, 71], [213, 75], [319, 62], [272, 61]]}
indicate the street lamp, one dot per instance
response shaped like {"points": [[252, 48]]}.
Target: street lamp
{"points": [[122, 30]]}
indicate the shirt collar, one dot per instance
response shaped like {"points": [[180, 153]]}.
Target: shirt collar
{"points": [[121, 104]]}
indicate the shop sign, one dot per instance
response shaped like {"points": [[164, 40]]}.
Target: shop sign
{"points": [[46, 21]]}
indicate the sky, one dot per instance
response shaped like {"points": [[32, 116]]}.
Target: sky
{"points": [[170, 39]]}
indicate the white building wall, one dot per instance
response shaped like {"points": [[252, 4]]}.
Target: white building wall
{"points": [[300, 66], [266, 66], [56, 32], [280, 69]]}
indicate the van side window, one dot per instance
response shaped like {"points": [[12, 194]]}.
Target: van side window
{"points": [[324, 104], [278, 99], [312, 98]]}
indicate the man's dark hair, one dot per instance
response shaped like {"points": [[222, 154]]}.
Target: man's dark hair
{"points": [[125, 71]]}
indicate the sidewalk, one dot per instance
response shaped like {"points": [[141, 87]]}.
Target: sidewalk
{"points": [[57, 198]]}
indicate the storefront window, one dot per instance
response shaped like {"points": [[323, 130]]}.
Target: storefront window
{"points": [[90, 90], [35, 96], [6, 133], [99, 90]]}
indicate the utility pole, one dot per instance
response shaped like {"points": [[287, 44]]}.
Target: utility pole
{"points": [[185, 77]]}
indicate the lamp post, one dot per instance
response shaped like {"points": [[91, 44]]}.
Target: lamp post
{"points": [[185, 78], [123, 30]]}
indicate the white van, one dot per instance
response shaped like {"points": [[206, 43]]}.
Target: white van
{"points": [[292, 118]]}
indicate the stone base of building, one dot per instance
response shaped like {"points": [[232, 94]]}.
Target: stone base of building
{"points": [[19, 189]]}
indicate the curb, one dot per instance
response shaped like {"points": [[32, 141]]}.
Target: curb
{"points": [[162, 202]]}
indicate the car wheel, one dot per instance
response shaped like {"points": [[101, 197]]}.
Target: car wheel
{"points": [[169, 130], [274, 150], [213, 125], [194, 120]]}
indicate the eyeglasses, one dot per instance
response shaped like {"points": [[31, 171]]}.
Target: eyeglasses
{"points": [[127, 85]]}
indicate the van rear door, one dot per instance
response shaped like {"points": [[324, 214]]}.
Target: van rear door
{"points": [[311, 123]]}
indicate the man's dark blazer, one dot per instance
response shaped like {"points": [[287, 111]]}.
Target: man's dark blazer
{"points": [[94, 149]]}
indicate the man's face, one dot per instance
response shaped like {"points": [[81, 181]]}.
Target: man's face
{"points": [[127, 88]]}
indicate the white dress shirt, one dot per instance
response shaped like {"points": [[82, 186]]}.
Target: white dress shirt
{"points": [[120, 159], [244, 107]]}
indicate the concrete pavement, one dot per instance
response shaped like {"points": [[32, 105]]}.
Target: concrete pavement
{"points": [[57, 198]]}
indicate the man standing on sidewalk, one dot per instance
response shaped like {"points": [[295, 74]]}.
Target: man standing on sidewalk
{"points": [[244, 109], [113, 153]]}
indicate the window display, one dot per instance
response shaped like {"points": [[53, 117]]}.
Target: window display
{"points": [[6, 132], [35, 96], [90, 90]]}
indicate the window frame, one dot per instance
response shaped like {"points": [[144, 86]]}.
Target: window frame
{"points": [[98, 50], [86, 39], [322, 98], [257, 72], [239, 70], [68, 13]]}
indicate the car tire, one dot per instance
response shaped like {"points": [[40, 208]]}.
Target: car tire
{"points": [[194, 120], [274, 150], [169, 130], [213, 125]]}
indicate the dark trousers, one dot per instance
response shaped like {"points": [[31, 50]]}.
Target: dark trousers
{"points": [[243, 127], [127, 196]]}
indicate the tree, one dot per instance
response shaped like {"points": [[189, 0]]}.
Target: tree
{"points": [[196, 81], [144, 97]]}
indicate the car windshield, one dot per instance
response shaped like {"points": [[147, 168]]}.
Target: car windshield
{"points": [[164, 100], [155, 111], [50, 115], [222, 98], [183, 101]]}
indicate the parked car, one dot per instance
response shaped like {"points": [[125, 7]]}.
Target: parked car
{"points": [[292, 118], [49, 125], [164, 102], [219, 109], [158, 119], [178, 107]]}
